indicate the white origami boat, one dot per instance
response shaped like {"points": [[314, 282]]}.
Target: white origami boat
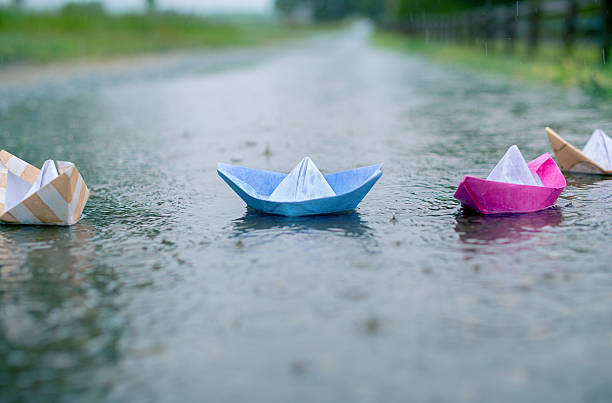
{"points": [[50, 196]]}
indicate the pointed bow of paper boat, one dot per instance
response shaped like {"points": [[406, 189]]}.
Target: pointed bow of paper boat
{"points": [[490, 197], [572, 159], [58, 201], [305, 191]]}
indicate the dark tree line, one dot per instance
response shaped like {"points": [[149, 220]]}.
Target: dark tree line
{"points": [[405, 7], [332, 9], [338, 9]]}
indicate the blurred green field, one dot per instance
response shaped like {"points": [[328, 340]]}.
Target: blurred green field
{"points": [[69, 33], [584, 69]]}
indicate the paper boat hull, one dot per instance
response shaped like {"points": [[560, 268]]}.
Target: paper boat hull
{"points": [[572, 159], [253, 186], [60, 202], [489, 197]]}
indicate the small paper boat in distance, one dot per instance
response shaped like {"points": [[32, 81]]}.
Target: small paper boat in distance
{"points": [[342, 191], [572, 159], [490, 197], [33, 196]]}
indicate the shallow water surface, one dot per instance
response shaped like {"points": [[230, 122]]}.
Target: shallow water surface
{"points": [[170, 289]]}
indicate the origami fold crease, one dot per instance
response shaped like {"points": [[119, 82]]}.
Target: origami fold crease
{"points": [[305, 182], [48, 196], [512, 168], [599, 149]]}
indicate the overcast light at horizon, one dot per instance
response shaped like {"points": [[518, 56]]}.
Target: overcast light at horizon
{"points": [[204, 6]]}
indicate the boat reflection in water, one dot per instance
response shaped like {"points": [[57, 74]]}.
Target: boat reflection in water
{"points": [[46, 250], [9, 261], [347, 224], [478, 228]]}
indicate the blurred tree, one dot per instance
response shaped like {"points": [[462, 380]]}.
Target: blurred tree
{"points": [[404, 9], [396, 9], [17, 3], [294, 10], [332, 9], [373, 8], [91, 8], [150, 4], [286, 7]]}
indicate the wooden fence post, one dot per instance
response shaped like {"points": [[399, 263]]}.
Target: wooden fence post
{"points": [[484, 25], [570, 27], [490, 28], [465, 28], [459, 33], [510, 28], [483, 20], [471, 29], [606, 12], [533, 38]]}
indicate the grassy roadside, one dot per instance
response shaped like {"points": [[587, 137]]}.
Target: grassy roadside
{"points": [[40, 37], [584, 69]]}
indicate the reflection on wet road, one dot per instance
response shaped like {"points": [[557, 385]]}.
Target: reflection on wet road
{"points": [[170, 289], [508, 228]]}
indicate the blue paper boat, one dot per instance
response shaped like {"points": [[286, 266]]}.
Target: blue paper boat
{"points": [[302, 192]]}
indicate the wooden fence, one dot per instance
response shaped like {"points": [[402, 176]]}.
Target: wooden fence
{"points": [[563, 21]]}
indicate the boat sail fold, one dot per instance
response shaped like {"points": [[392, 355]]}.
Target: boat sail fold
{"points": [[304, 182], [512, 168], [599, 149]]}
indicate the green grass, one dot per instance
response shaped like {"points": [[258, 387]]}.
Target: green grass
{"points": [[583, 69], [45, 37]]}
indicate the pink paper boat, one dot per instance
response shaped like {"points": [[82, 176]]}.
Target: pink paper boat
{"points": [[489, 197]]}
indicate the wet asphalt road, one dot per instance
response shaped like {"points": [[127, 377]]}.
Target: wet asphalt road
{"points": [[169, 289]]}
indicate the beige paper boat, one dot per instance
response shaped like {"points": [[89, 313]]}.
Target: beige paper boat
{"points": [[571, 158], [59, 202]]}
